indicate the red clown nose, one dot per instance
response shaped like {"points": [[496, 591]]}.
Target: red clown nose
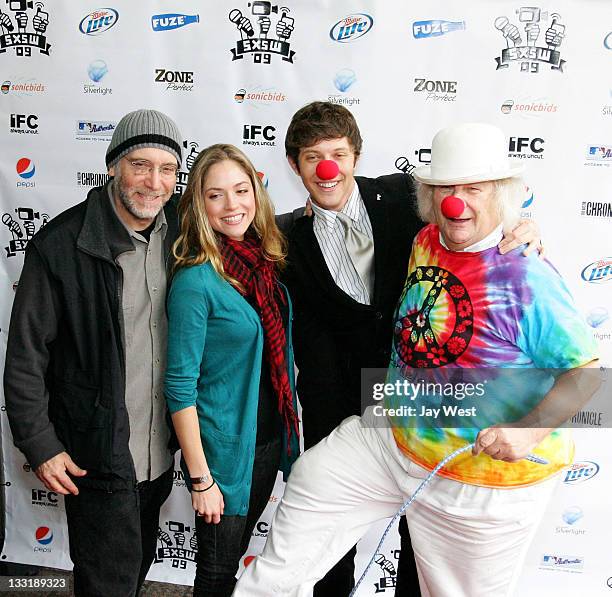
{"points": [[327, 169], [452, 206]]}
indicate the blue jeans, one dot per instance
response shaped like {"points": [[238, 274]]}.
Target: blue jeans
{"points": [[220, 546], [113, 536]]}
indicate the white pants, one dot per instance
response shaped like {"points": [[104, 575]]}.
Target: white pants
{"points": [[467, 540]]}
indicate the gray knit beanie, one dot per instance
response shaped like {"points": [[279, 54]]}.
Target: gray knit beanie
{"points": [[144, 128]]}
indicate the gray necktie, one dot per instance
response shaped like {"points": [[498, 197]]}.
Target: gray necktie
{"points": [[361, 251]]}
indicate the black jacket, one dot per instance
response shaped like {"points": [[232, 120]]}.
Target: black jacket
{"points": [[334, 335], [64, 378]]}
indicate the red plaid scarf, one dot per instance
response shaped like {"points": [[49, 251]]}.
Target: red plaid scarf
{"points": [[244, 261]]}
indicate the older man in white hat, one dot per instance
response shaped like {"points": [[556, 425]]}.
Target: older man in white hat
{"points": [[464, 306]]}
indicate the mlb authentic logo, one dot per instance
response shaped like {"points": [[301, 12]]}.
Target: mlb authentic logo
{"points": [[261, 44], [14, 32], [522, 43], [22, 228]]}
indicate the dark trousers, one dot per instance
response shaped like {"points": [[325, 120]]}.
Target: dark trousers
{"points": [[113, 536], [220, 546]]}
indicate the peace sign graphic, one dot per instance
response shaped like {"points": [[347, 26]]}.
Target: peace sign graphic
{"points": [[418, 341]]}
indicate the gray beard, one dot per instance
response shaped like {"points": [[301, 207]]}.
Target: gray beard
{"points": [[130, 206]]}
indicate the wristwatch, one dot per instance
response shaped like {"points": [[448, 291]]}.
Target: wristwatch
{"points": [[202, 479]]}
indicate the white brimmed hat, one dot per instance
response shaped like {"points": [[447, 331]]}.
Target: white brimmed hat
{"points": [[468, 152]]}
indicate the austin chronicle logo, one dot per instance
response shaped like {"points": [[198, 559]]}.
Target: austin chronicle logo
{"points": [[261, 43], [525, 44], [14, 31]]}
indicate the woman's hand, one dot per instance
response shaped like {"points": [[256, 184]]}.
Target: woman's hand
{"points": [[208, 504], [510, 444]]}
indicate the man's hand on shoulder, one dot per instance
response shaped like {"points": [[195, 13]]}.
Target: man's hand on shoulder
{"points": [[53, 474], [525, 232]]}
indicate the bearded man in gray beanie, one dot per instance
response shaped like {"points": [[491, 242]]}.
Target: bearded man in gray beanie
{"points": [[86, 356]]}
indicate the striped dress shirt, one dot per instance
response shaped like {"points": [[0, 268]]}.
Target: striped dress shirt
{"points": [[329, 233]]}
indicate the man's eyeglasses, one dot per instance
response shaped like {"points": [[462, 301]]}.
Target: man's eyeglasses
{"points": [[142, 168]]}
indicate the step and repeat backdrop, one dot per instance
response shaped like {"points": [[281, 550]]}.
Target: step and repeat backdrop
{"points": [[235, 72]]}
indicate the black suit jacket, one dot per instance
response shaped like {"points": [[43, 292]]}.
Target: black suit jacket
{"points": [[334, 335]]}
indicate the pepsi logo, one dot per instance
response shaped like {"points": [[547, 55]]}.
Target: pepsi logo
{"points": [[264, 179], [44, 535], [25, 168]]}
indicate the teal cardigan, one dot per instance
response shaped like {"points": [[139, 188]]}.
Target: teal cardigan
{"points": [[215, 347]]}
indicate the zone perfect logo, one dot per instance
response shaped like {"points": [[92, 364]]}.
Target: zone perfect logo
{"points": [[176, 80], [98, 21], [351, 27], [436, 90], [167, 22], [598, 271], [579, 472], [435, 28]]}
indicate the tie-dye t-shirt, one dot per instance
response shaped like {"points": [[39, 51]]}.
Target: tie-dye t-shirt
{"points": [[485, 310]]}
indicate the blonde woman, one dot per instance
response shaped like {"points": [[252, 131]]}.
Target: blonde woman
{"points": [[229, 379]]}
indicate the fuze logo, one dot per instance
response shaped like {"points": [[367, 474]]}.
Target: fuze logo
{"points": [[598, 271], [166, 22], [581, 471], [423, 29], [98, 21], [351, 28], [44, 535], [25, 168]]}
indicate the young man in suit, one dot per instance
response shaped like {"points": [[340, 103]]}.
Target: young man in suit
{"points": [[343, 323], [345, 298]]}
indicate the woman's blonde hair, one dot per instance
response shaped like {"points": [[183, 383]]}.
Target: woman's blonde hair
{"points": [[197, 242]]}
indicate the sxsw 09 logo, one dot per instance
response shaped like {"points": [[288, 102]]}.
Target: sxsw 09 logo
{"points": [[23, 29], [265, 33], [525, 43]]}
